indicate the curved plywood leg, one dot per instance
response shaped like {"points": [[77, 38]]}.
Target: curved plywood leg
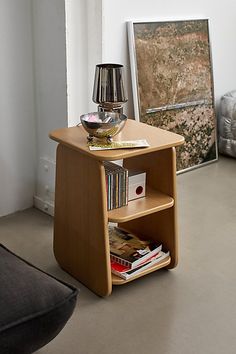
{"points": [[81, 244], [161, 175]]}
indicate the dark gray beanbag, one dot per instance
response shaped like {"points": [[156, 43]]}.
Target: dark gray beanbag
{"points": [[34, 306]]}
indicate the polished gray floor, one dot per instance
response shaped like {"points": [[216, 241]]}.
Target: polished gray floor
{"points": [[189, 310]]}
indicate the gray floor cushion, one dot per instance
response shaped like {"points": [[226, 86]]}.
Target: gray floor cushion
{"points": [[34, 306]]}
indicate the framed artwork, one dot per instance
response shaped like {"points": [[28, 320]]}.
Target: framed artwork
{"points": [[172, 84]]}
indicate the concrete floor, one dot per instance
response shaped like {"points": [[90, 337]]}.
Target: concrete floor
{"points": [[189, 310]]}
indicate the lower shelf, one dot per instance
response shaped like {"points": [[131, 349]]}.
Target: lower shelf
{"points": [[119, 281]]}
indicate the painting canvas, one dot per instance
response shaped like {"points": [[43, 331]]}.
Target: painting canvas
{"points": [[172, 84]]}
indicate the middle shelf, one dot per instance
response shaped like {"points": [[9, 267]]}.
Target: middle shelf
{"points": [[153, 201]]}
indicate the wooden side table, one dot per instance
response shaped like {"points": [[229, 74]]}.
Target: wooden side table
{"points": [[81, 240]]}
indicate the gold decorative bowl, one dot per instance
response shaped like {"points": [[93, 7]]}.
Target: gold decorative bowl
{"points": [[103, 125]]}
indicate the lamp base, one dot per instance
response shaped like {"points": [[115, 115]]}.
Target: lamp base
{"points": [[116, 109]]}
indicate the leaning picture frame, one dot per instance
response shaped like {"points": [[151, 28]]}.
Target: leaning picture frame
{"points": [[172, 84]]}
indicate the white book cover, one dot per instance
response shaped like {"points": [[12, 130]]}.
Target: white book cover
{"points": [[131, 273]]}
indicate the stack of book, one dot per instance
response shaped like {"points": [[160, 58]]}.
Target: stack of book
{"points": [[130, 255], [116, 184]]}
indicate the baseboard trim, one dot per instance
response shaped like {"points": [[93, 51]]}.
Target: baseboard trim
{"points": [[45, 206]]}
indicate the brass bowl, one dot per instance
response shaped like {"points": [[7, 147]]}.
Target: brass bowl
{"points": [[103, 125]]}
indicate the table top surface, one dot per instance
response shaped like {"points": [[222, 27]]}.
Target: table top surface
{"points": [[158, 139]]}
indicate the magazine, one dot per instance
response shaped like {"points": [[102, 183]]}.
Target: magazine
{"points": [[128, 250], [129, 273], [125, 144], [118, 268]]}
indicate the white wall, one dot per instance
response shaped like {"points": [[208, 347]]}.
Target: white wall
{"points": [[33, 100], [107, 41], [77, 52], [221, 16], [17, 123], [84, 50], [95, 32], [50, 91]]}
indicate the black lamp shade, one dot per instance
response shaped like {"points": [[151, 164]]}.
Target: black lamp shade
{"points": [[109, 88]]}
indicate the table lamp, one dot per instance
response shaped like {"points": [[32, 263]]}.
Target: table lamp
{"points": [[109, 89]]}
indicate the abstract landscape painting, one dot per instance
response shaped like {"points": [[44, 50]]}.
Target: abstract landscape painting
{"points": [[173, 84]]}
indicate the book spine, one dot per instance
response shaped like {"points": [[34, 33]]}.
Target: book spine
{"points": [[120, 261], [117, 185], [119, 189], [107, 191], [126, 187]]}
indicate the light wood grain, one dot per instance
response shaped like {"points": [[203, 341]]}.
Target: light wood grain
{"points": [[159, 139], [81, 240], [160, 226], [81, 244], [154, 201]]}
